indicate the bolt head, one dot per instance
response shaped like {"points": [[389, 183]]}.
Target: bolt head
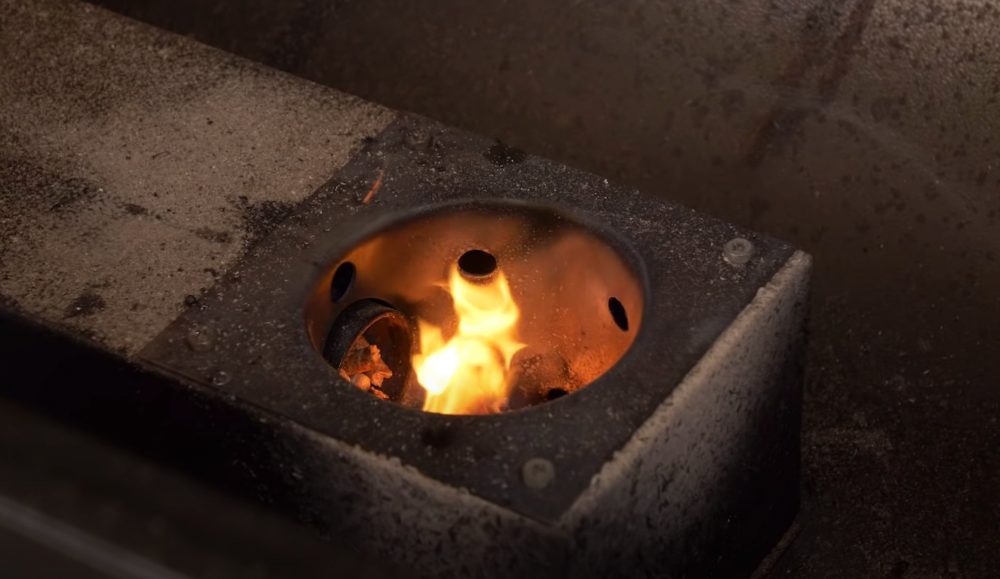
{"points": [[416, 139], [538, 473], [737, 251], [199, 340], [221, 378]]}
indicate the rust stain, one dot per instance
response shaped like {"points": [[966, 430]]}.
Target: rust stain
{"points": [[785, 116], [375, 187]]}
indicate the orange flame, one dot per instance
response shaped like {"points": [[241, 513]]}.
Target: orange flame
{"points": [[469, 373]]}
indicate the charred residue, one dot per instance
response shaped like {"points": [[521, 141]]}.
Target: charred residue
{"points": [[86, 304]]}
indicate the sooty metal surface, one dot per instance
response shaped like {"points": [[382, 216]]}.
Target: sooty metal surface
{"points": [[263, 356], [682, 460]]}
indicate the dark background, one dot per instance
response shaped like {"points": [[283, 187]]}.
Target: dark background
{"points": [[865, 131]]}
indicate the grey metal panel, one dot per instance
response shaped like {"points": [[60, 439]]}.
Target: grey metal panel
{"points": [[136, 166]]}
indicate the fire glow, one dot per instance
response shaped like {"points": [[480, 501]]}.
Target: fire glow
{"points": [[469, 373]]}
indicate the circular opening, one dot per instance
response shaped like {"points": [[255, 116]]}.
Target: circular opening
{"points": [[477, 263], [618, 313], [343, 279], [517, 321]]}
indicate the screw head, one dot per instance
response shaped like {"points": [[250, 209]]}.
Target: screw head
{"points": [[737, 251], [221, 378], [416, 139], [199, 340], [537, 473]]}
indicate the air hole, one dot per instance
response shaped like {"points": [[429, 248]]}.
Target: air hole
{"points": [[342, 281], [618, 313], [477, 263], [555, 393]]}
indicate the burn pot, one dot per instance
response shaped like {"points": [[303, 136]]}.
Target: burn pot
{"points": [[679, 457]]}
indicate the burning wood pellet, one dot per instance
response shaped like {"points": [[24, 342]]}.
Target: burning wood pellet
{"points": [[362, 381], [363, 366]]}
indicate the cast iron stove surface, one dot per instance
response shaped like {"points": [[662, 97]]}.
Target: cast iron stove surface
{"points": [[260, 352]]}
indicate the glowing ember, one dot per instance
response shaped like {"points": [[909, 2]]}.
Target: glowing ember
{"points": [[469, 373]]}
